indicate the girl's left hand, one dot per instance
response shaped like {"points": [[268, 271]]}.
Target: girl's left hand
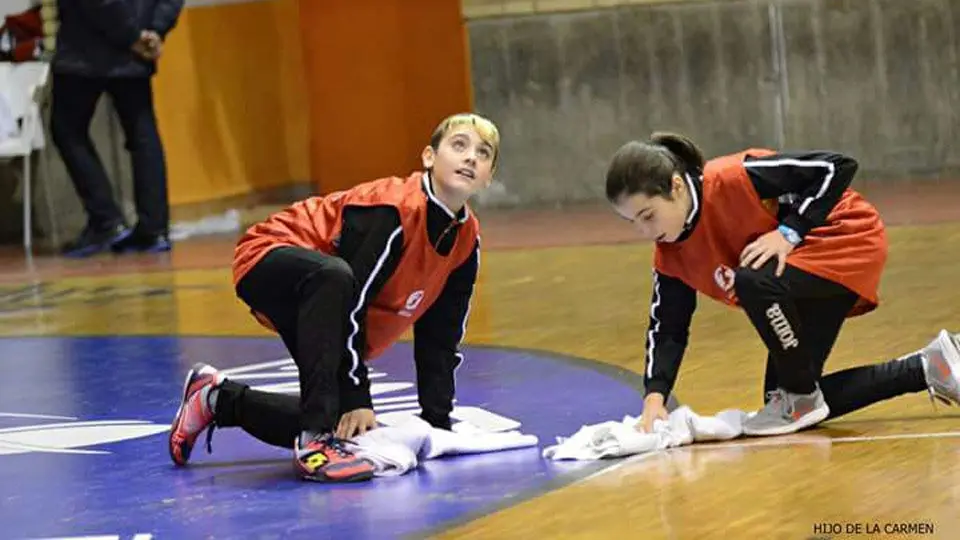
{"points": [[356, 422], [758, 252]]}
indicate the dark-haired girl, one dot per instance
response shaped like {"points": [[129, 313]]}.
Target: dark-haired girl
{"points": [[783, 237]]}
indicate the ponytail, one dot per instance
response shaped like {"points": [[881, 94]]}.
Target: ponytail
{"points": [[689, 158]]}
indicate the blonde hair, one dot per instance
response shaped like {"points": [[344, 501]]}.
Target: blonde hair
{"points": [[484, 127]]}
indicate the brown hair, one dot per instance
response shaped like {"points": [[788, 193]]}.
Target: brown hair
{"points": [[648, 167]]}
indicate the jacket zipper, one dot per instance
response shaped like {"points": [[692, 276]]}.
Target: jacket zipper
{"points": [[440, 238]]}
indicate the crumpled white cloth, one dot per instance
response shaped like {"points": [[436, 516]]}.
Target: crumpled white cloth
{"points": [[395, 450], [619, 439]]}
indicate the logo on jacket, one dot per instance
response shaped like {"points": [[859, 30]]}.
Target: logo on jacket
{"points": [[724, 276], [413, 301]]}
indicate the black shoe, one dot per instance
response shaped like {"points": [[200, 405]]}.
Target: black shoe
{"points": [[93, 240], [140, 242]]}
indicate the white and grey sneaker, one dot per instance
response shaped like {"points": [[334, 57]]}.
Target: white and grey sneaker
{"points": [[787, 413], [941, 367]]}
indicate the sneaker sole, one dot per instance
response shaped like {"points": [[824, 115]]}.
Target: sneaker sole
{"points": [[304, 474], [96, 249], [88, 251], [176, 419], [950, 353], [808, 420], [363, 477]]}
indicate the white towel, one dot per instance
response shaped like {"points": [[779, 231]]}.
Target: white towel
{"points": [[618, 439], [395, 450]]}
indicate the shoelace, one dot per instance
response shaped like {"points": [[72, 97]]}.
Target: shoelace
{"points": [[774, 395], [338, 447], [777, 398], [935, 397], [210, 437]]}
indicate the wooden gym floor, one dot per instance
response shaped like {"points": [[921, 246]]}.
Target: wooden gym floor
{"points": [[573, 282]]}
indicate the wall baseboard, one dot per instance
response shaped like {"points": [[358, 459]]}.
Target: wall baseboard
{"points": [[278, 196]]}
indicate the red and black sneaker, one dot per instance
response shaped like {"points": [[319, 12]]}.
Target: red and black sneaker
{"points": [[194, 414], [325, 459]]}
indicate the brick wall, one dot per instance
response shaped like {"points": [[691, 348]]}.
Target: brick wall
{"points": [[477, 9]]}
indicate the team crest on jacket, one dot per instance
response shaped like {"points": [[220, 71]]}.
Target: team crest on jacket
{"points": [[724, 276], [411, 304]]}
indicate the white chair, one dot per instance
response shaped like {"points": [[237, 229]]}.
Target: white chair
{"points": [[21, 86]]}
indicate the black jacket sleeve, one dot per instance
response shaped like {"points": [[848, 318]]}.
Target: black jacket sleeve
{"points": [[671, 311], [810, 182], [437, 336], [165, 15], [371, 242], [113, 19]]}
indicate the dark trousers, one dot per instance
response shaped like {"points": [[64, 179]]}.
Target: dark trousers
{"points": [[75, 99], [799, 317], [271, 417], [307, 296]]}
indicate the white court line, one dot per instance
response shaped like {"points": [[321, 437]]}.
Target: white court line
{"points": [[285, 365], [789, 440], [25, 447], [804, 439], [91, 423], [397, 399], [256, 376], [413, 406], [283, 375], [254, 367], [42, 416]]}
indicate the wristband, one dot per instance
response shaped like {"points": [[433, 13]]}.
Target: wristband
{"points": [[791, 235]]}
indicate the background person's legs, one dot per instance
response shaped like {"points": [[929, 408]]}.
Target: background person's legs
{"points": [[133, 101], [74, 102]]}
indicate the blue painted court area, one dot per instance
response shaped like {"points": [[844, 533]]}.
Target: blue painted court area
{"points": [[83, 425]]}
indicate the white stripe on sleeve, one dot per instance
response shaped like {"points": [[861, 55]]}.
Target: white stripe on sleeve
{"points": [[827, 177], [351, 347], [655, 327]]}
